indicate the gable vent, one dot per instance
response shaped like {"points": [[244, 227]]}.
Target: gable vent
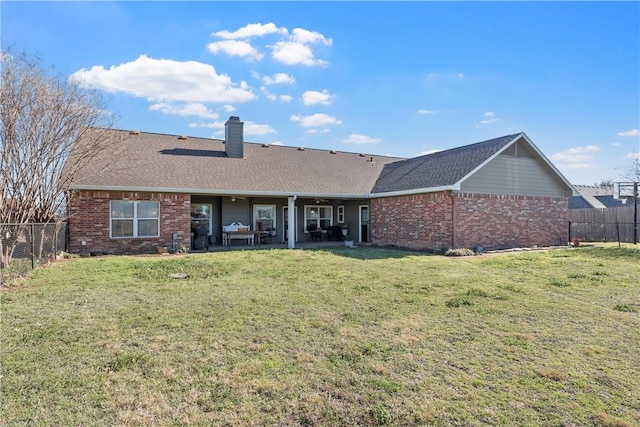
{"points": [[182, 137]]}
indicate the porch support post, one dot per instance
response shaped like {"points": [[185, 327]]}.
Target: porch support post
{"points": [[291, 232]]}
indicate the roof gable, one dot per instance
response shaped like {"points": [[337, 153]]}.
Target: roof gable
{"points": [[442, 169]]}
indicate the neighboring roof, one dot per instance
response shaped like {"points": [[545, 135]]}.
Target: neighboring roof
{"points": [[142, 161], [594, 196], [578, 202]]}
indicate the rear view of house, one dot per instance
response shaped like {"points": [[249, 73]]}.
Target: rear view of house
{"points": [[154, 189]]}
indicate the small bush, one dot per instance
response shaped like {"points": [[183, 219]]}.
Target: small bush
{"points": [[626, 308], [459, 252], [460, 301], [381, 415], [559, 283], [475, 292]]}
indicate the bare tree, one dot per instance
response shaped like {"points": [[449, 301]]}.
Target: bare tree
{"points": [[632, 171], [42, 115]]}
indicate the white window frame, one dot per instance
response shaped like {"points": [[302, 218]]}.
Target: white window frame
{"points": [[135, 219], [256, 218], [341, 214], [209, 206], [319, 219]]}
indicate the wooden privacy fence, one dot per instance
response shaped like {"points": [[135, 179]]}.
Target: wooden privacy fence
{"points": [[603, 225]]}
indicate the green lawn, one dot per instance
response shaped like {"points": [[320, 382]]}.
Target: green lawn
{"points": [[326, 338]]}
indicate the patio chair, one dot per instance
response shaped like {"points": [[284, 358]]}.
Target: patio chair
{"points": [[315, 235], [334, 233]]}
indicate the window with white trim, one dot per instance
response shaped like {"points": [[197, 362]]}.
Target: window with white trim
{"points": [[317, 216], [341, 214], [134, 218], [264, 217]]}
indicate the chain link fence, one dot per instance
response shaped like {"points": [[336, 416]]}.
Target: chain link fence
{"points": [[32, 245]]}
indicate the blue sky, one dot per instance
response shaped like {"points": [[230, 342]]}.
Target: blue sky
{"points": [[396, 78]]}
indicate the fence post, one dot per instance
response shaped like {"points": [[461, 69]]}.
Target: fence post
{"points": [[569, 230], [33, 247], [635, 213]]}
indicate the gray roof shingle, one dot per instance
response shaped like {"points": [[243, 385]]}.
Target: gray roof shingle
{"points": [[200, 165], [443, 168]]}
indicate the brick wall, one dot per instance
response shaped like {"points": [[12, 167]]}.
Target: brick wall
{"points": [[421, 221], [425, 221], [89, 222], [499, 221]]}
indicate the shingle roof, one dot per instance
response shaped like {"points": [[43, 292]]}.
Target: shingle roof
{"points": [[578, 202], [158, 161], [610, 202], [443, 168], [595, 197]]}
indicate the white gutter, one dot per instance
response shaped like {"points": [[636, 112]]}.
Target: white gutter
{"points": [[454, 187]]}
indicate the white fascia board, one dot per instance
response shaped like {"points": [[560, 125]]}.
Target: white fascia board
{"points": [[216, 192], [455, 187]]}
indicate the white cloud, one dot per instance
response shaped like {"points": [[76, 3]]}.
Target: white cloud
{"points": [[228, 108], [426, 152], [235, 48], [193, 109], [276, 143], [251, 30], [165, 80], [268, 94], [426, 112], [634, 156], [313, 97], [314, 131], [580, 157], [355, 138], [632, 132], [489, 117], [291, 48], [209, 125], [315, 120], [271, 97], [296, 50], [251, 128], [279, 78]]}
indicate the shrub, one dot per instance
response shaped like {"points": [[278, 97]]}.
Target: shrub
{"points": [[459, 252], [627, 308]]}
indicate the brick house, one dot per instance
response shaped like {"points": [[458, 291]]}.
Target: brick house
{"points": [[152, 190]]}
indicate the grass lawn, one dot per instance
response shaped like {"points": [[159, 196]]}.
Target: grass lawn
{"points": [[326, 338]]}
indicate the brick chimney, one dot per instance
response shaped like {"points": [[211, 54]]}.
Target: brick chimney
{"points": [[234, 137]]}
